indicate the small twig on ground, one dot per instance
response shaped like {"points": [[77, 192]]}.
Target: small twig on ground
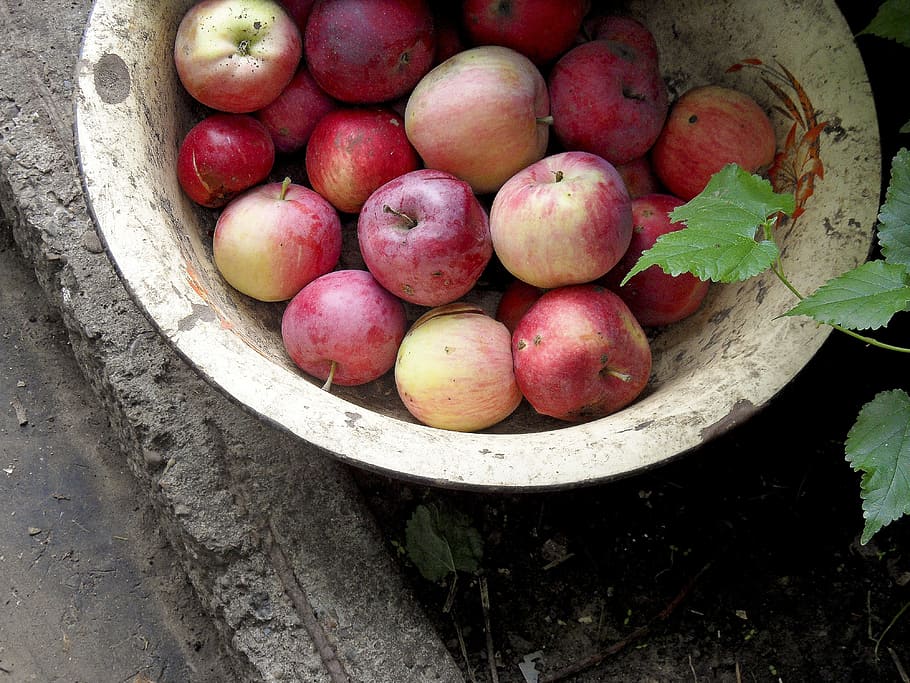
{"points": [[901, 671], [464, 649], [878, 641], [491, 651], [634, 636], [692, 669]]}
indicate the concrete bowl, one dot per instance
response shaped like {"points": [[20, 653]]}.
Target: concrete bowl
{"points": [[710, 372]]}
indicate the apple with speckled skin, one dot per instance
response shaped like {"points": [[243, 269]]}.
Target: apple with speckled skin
{"points": [[655, 298], [539, 29], [482, 115], [709, 127], [354, 150], [608, 98], [425, 237], [223, 155], [563, 220], [369, 51], [292, 116], [344, 328], [236, 55], [579, 354], [454, 369], [274, 239]]}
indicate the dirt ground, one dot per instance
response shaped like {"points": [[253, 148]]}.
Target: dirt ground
{"points": [[89, 588], [739, 562]]}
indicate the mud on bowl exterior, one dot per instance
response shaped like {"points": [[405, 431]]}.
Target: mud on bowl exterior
{"points": [[710, 372]]}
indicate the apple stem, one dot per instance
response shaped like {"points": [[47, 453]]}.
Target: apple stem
{"points": [[285, 184], [622, 376], [545, 120], [328, 381], [411, 223]]}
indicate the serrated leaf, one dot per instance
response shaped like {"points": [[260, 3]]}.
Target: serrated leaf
{"points": [[892, 21], [734, 201], [861, 299], [440, 542], [894, 215], [707, 254], [718, 241], [878, 445]]}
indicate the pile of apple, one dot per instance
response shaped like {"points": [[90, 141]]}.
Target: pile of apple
{"points": [[532, 134]]}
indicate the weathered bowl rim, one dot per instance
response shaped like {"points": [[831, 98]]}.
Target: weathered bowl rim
{"points": [[652, 432]]}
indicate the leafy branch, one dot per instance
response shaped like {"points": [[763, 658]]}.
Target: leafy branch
{"points": [[729, 237]]}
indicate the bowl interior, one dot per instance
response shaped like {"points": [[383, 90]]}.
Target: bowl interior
{"points": [[710, 371]]}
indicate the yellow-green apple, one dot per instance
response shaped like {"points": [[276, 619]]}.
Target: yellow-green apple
{"points": [[482, 115], [354, 150], [221, 156], [454, 369], [708, 127], [607, 98], [655, 298], [516, 299], [580, 354], [275, 238], [539, 29], [292, 116], [344, 328], [236, 55], [639, 177], [369, 51], [425, 236], [565, 219]]}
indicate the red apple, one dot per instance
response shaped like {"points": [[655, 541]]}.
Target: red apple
{"points": [[655, 297], [449, 38], [223, 155], [639, 177], [236, 55], [274, 239], [709, 127], [481, 115], [623, 29], [292, 116], [454, 369], [369, 51], [425, 237], [580, 354], [607, 98], [354, 150], [299, 11], [344, 328], [565, 219], [539, 29], [515, 301]]}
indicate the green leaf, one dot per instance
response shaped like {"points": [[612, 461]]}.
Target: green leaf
{"points": [[894, 215], [878, 445], [718, 242], [441, 542], [892, 21], [905, 128], [863, 298]]}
